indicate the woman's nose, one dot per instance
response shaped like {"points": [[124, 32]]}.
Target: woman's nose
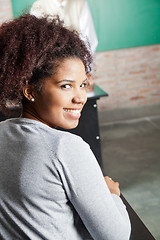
{"points": [[80, 98]]}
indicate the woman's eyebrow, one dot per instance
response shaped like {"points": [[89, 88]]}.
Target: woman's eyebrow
{"points": [[65, 80], [71, 81]]}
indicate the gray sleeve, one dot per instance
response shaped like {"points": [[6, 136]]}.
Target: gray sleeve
{"points": [[103, 213]]}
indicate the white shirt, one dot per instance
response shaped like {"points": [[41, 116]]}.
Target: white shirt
{"points": [[86, 25]]}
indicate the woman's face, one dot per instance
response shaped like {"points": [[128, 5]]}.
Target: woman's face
{"points": [[63, 96]]}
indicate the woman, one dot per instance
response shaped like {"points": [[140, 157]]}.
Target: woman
{"points": [[51, 186]]}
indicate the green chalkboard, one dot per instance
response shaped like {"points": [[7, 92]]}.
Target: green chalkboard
{"points": [[126, 23], [119, 23], [19, 6]]}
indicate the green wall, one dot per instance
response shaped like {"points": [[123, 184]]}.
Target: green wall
{"points": [[119, 23], [18, 6], [126, 23]]}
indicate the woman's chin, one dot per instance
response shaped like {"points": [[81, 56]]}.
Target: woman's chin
{"points": [[70, 125]]}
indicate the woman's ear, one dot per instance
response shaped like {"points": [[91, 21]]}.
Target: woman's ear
{"points": [[28, 92]]}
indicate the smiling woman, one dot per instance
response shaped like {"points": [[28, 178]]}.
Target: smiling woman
{"points": [[61, 100], [51, 186]]}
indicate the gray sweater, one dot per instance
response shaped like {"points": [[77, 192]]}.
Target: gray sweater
{"points": [[51, 187]]}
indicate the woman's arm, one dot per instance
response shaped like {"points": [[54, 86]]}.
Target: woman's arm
{"points": [[103, 213]]}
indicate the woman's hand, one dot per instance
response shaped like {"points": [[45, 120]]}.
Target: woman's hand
{"points": [[113, 186]]}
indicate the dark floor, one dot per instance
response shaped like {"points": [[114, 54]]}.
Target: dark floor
{"points": [[131, 156]]}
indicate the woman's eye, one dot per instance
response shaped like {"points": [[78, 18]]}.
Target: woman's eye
{"points": [[83, 85], [66, 86]]}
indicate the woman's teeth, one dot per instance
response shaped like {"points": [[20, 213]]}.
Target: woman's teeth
{"points": [[72, 110]]}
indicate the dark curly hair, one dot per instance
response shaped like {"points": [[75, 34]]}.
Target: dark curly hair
{"points": [[31, 49]]}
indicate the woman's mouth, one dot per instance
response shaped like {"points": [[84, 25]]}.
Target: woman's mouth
{"points": [[73, 113]]}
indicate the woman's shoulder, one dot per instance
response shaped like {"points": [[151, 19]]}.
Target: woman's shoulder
{"points": [[63, 138], [55, 137], [55, 140], [65, 146]]}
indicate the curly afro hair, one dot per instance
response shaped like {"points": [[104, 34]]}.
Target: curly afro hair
{"points": [[30, 50]]}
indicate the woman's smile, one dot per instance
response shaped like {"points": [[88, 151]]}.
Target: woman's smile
{"points": [[73, 113]]}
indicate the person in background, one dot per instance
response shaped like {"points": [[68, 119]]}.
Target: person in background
{"points": [[76, 14], [51, 186]]}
